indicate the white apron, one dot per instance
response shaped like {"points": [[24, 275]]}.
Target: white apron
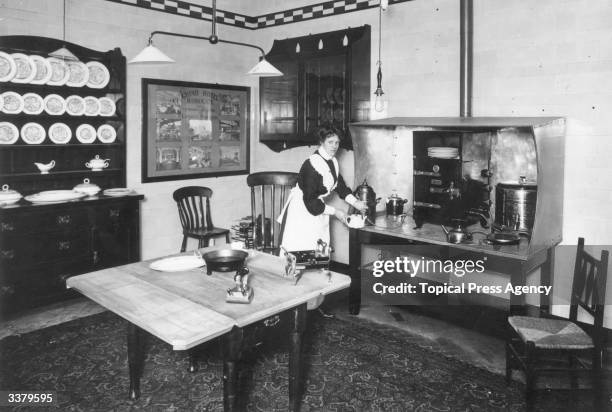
{"points": [[302, 229]]}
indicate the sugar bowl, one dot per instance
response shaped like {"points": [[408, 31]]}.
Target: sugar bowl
{"points": [[96, 164]]}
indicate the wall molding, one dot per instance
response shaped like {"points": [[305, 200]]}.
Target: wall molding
{"points": [[295, 15]]}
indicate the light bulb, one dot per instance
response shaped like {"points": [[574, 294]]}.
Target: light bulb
{"points": [[379, 103]]}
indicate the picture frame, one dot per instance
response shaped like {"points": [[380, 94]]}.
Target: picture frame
{"points": [[194, 130]]}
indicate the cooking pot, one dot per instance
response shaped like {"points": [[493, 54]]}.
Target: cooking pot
{"points": [[395, 205], [515, 204], [366, 194]]}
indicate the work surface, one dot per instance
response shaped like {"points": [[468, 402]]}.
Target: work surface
{"points": [[187, 308]]}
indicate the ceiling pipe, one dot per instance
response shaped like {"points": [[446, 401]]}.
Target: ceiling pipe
{"points": [[466, 51]]}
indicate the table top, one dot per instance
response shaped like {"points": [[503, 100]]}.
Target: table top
{"points": [[187, 308], [433, 234]]}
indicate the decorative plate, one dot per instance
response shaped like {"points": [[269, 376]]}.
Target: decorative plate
{"points": [[33, 133], [117, 191], [75, 105], [8, 133], [43, 69], [26, 70], [107, 133], [59, 72], [92, 106], [51, 196], [8, 68], [55, 104], [33, 103], [98, 75], [60, 133], [107, 106], [12, 103], [86, 133], [177, 263], [79, 74]]}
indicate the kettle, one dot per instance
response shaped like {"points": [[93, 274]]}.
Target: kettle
{"points": [[458, 233], [366, 194], [395, 205]]}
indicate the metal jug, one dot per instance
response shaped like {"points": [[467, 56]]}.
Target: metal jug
{"points": [[366, 194]]}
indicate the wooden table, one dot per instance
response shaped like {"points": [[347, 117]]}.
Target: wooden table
{"points": [[515, 261], [187, 308]]}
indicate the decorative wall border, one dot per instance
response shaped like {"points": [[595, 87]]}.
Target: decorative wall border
{"points": [[310, 12]]}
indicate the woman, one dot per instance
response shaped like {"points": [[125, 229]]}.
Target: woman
{"points": [[306, 214]]}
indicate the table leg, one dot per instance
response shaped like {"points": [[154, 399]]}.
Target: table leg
{"points": [[354, 272], [232, 350], [298, 325], [135, 346]]}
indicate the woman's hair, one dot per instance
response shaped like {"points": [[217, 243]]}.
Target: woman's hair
{"points": [[328, 131]]}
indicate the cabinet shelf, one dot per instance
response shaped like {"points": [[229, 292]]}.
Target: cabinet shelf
{"points": [[41, 89], [26, 146], [51, 175], [61, 118]]}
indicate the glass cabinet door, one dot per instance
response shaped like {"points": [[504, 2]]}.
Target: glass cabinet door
{"points": [[324, 93], [279, 99]]}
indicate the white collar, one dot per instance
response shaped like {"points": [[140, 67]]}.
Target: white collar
{"points": [[324, 154]]}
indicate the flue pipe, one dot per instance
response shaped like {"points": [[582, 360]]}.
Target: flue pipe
{"points": [[466, 51]]}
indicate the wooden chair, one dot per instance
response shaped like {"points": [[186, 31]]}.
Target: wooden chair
{"points": [[533, 342], [269, 192], [194, 211]]}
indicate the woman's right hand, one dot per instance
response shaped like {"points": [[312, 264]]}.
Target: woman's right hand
{"points": [[340, 215]]}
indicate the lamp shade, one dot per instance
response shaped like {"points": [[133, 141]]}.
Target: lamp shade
{"points": [[64, 54], [264, 69], [151, 55]]}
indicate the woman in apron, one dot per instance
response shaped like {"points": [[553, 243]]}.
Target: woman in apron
{"points": [[305, 214]]}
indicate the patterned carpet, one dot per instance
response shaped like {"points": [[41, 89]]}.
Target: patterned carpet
{"points": [[352, 365]]}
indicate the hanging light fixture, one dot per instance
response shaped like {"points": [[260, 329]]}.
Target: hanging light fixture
{"points": [[379, 104], [63, 53], [152, 55]]}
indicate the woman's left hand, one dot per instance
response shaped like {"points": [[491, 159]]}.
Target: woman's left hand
{"points": [[361, 206]]}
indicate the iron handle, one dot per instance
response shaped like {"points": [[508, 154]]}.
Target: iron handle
{"points": [[64, 220], [63, 245]]}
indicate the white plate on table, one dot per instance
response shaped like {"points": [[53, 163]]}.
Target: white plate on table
{"points": [[117, 191], [26, 69], [8, 133], [60, 133], [178, 263], [33, 133], [51, 196], [8, 68], [33, 103], [59, 72], [43, 69], [86, 133], [98, 75]]}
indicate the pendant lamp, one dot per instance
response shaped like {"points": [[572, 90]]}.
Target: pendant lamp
{"points": [[152, 55], [63, 53], [379, 104]]}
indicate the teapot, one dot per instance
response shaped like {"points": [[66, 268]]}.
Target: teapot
{"points": [[458, 233], [395, 205], [96, 164]]}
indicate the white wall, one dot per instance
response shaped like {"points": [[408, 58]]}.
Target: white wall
{"points": [[548, 57]]}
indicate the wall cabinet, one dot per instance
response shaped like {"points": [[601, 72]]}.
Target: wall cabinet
{"points": [[326, 80], [41, 244]]}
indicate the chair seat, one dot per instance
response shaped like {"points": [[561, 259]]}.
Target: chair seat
{"points": [[550, 333], [203, 233]]}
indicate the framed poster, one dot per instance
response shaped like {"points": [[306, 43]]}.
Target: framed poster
{"points": [[194, 130]]}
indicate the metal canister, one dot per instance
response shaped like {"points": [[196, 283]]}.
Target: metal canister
{"points": [[365, 193], [515, 205]]}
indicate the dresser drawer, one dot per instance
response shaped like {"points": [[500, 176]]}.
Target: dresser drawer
{"points": [[28, 250], [50, 221]]}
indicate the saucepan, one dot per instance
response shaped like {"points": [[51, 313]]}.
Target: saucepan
{"points": [[224, 260]]}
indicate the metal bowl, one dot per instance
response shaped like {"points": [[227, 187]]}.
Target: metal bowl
{"points": [[224, 260]]}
